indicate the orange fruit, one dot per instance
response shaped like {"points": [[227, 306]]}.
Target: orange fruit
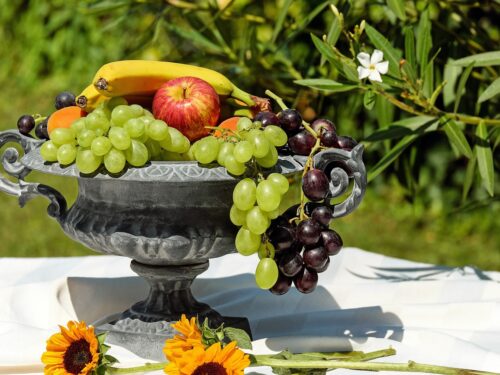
{"points": [[64, 117], [229, 123]]}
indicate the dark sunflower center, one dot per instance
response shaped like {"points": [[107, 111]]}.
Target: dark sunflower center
{"points": [[77, 356], [210, 368]]}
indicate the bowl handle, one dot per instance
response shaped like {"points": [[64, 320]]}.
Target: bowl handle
{"points": [[342, 166], [22, 189]]}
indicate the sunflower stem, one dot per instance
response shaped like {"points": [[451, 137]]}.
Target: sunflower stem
{"points": [[145, 368]]}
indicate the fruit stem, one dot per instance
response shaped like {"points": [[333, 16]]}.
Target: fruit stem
{"points": [[244, 96], [276, 98], [39, 119]]}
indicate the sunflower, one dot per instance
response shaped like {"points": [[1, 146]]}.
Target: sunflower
{"points": [[213, 361], [189, 338], [74, 350]]}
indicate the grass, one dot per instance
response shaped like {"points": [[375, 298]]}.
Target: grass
{"points": [[384, 223]]}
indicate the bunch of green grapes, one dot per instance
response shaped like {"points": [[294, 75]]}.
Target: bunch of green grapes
{"points": [[114, 134]]}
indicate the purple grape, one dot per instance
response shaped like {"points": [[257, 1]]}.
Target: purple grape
{"points": [[64, 99], [332, 242], [282, 285], [291, 263], [290, 120], [322, 215], [281, 237], [346, 143], [315, 257], [308, 232], [325, 267], [25, 124], [306, 281], [302, 143], [329, 139], [315, 185], [266, 118], [323, 125], [41, 130]]}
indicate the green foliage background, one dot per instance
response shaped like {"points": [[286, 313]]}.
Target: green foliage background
{"points": [[416, 208]]}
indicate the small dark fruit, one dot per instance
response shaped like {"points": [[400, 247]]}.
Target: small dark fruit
{"points": [[25, 124], [302, 143], [322, 215], [315, 184], [323, 125], [324, 268], [64, 99], [346, 143], [291, 264], [306, 281], [332, 242], [290, 120], [315, 257], [41, 130], [309, 232], [282, 238], [266, 118], [329, 139], [282, 285]]}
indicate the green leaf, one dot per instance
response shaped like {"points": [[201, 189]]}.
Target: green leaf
{"points": [[457, 138], [451, 74], [485, 158], [369, 99], [307, 19], [390, 132], [390, 53], [333, 33], [398, 129], [325, 84], [461, 86], [424, 41], [350, 72], [410, 56], [392, 155], [240, 336], [384, 112], [280, 19], [481, 59], [196, 38], [398, 7], [469, 176], [325, 50], [491, 91]]}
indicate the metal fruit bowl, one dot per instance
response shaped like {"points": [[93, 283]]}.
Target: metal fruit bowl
{"points": [[170, 218]]}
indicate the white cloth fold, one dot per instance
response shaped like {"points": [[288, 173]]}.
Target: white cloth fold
{"points": [[365, 301]]}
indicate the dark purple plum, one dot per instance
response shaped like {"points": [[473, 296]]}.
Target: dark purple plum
{"points": [[267, 118], [25, 124], [331, 241], [315, 185], [309, 232], [302, 143], [306, 281], [346, 143], [291, 263], [282, 285], [322, 215], [290, 120]]}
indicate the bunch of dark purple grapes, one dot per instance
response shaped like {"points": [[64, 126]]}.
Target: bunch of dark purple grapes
{"points": [[302, 249], [300, 141]]}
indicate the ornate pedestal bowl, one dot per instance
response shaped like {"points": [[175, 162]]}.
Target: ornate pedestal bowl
{"points": [[170, 218]]}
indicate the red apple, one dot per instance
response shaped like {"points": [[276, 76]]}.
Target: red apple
{"points": [[188, 104]]}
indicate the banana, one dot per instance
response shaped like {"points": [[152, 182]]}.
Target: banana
{"points": [[143, 77], [90, 98]]}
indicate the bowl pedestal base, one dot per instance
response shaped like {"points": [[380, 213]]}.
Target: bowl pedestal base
{"points": [[145, 326]]}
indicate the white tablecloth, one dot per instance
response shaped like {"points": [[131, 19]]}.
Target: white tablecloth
{"points": [[365, 301]]}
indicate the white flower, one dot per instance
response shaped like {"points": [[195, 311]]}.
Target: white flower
{"points": [[372, 66]]}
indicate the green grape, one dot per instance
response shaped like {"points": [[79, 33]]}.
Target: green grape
{"points": [[280, 181], [136, 110], [49, 151], [135, 127], [119, 138], [137, 154], [237, 216], [268, 196], [273, 214], [266, 273], [207, 150], [115, 102], [78, 125], [121, 114], [270, 159], [275, 135], [190, 153], [244, 123], [154, 149], [171, 156], [233, 166], [143, 138], [225, 149], [148, 120], [61, 136], [102, 110], [86, 161], [261, 145], [101, 145], [243, 151], [246, 242], [244, 194], [97, 123], [114, 161], [148, 114], [85, 137], [66, 154], [158, 130], [257, 221], [266, 250], [176, 143]]}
